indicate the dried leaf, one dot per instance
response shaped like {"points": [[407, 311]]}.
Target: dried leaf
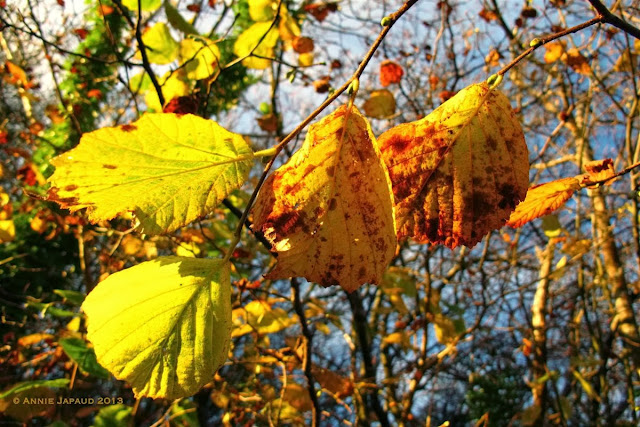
{"points": [[543, 199], [302, 44], [328, 210], [577, 62], [599, 170], [458, 173], [488, 15]]}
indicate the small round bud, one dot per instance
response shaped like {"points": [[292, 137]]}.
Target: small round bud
{"points": [[386, 21], [535, 42]]}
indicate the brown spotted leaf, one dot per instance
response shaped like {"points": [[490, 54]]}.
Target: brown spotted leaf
{"points": [[543, 199], [167, 169], [328, 210], [458, 173]]}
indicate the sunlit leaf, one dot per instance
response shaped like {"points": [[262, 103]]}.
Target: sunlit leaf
{"points": [[145, 5], [161, 48], [458, 173], [262, 10], [167, 169], [171, 332], [542, 199], [259, 39], [200, 57], [328, 210]]}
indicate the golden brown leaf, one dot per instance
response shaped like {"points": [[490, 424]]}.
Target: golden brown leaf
{"points": [[458, 173], [328, 210], [542, 199], [381, 104], [577, 62], [599, 170]]}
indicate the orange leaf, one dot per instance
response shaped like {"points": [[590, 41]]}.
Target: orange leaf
{"points": [[542, 199], [302, 44], [390, 72], [458, 173], [320, 11], [328, 211], [488, 15]]}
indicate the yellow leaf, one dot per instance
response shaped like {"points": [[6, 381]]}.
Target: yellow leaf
{"points": [[200, 57], [261, 37], [445, 329], [265, 319], [328, 210], [458, 173], [306, 59], [167, 169], [542, 199], [161, 48], [172, 86], [7, 231], [145, 5], [262, 10], [554, 51], [399, 338], [164, 325], [381, 104], [288, 28]]}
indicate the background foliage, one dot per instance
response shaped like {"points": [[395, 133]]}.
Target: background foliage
{"points": [[524, 328]]}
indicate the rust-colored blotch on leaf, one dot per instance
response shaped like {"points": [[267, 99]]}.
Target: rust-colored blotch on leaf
{"points": [[328, 211], [458, 173]]}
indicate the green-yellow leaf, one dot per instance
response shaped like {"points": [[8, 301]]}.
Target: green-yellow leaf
{"points": [[164, 325], [262, 10], [160, 46], [261, 37], [172, 86], [167, 169], [145, 5], [200, 57]]}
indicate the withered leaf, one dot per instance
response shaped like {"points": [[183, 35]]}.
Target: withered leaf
{"points": [[458, 173], [328, 210]]}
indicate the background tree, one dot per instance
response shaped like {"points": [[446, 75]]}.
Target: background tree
{"points": [[534, 325]]}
